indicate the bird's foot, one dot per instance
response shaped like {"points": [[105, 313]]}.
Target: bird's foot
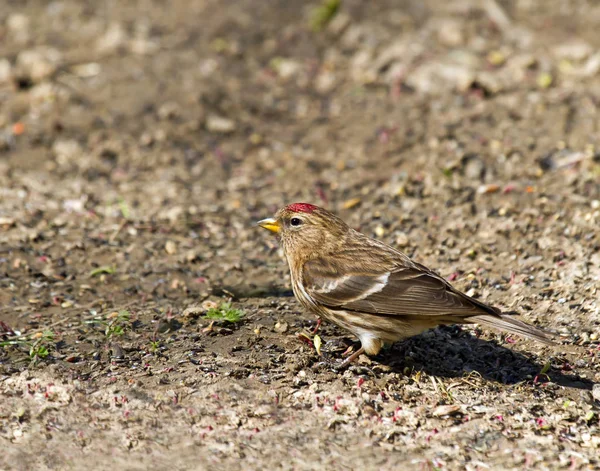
{"points": [[338, 366], [346, 363]]}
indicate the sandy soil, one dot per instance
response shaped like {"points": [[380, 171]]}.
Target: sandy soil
{"points": [[139, 142]]}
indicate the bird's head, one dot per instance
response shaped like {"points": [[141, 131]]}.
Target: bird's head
{"points": [[306, 229]]}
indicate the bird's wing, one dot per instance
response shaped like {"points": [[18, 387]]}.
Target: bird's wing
{"points": [[393, 285], [397, 290]]}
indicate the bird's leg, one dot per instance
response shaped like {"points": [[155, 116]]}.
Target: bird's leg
{"points": [[351, 358], [319, 321]]}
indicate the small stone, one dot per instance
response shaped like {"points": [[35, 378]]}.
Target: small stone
{"points": [[360, 67], [450, 33], [112, 39], [163, 326], [596, 392], [491, 188], [146, 139], [66, 151], [436, 77], [285, 68], [441, 411], [90, 69], [75, 205], [170, 247], [38, 64], [402, 239], [117, 351], [169, 110], [339, 23], [142, 46], [325, 82], [546, 243], [193, 311], [574, 50], [5, 71], [219, 124], [19, 27], [281, 327], [474, 169]]}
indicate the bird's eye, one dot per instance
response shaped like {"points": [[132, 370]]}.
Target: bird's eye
{"points": [[295, 221]]}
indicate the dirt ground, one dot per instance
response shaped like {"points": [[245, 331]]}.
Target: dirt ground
{"points": [[141, 140]]}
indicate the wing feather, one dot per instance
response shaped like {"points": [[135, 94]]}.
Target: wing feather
{"points": [[397, 291], [394, 285]]}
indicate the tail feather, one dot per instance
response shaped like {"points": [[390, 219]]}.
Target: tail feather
{"points": [[514, 326]]}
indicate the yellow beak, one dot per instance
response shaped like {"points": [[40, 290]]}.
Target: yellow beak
{"points": [[270, 224]]}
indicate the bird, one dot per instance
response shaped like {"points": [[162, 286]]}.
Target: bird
{"points": [[371, 289]]}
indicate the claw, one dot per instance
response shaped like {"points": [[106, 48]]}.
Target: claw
{"points": [[338, 367], [352, 357]]}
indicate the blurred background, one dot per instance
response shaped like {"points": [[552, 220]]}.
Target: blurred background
{"points": [[417, 121], [140, 141]]}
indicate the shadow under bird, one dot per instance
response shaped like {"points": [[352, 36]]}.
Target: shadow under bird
{"points": [[369, 288]]}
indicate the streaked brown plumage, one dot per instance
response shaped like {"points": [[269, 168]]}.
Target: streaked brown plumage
{"points": [[369, 288]]}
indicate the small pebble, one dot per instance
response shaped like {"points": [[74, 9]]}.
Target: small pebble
{"points": [[219, 124], [596, 392], [402, 239]]}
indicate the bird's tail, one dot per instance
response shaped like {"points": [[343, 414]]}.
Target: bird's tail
{"points": [[514, 326]]}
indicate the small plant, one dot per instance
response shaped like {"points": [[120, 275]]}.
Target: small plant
{"points": [[447, 171], [154, 346], [39, 347], [225, 312], [446, 392], [315, 342], [116, 323], [39, 344], [124, 208], [543, 374], [106, 270], [321, 15]]}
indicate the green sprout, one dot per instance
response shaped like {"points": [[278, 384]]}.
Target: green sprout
{"points": [[321, 15], [225, 312], [447, 171], [543, 373], [39, 344], [103, 270], [124, 208], [116, 323]]}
